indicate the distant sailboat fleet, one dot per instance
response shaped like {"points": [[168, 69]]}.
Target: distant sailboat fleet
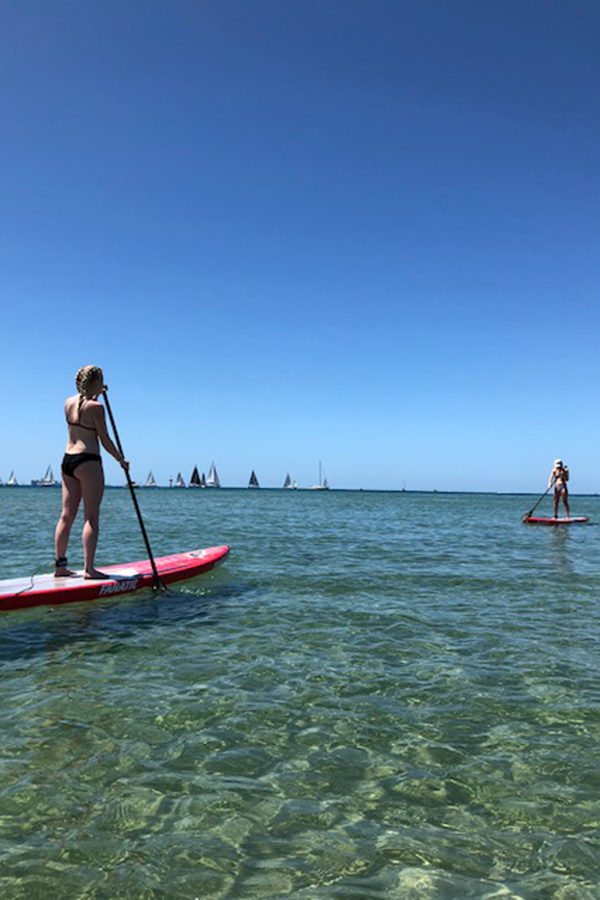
{"points": [[197, 480]]}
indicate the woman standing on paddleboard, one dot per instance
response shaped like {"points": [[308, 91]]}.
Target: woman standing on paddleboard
{"points": [[82, 473], [559, 477]]}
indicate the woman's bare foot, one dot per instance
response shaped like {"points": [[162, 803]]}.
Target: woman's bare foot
{"points": [[94, 573], [60, 568]]}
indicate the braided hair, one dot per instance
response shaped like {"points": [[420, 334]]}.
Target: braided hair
{"points": [[84, 378]]}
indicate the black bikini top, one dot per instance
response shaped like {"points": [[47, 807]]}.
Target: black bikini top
{"points": [[79, 424]]}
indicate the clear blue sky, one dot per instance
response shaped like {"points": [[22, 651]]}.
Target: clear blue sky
{"points": [[292, 230]]}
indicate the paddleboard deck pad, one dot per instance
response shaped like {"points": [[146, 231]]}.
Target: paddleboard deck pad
{"points": [[46, 590], [550, 520]]}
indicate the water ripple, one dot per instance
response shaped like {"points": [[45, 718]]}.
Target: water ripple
{"points": [[378, 696]]}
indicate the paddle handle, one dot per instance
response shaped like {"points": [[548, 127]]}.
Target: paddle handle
{"points": [[157, 581]]}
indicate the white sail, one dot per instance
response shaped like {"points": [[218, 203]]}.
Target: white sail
{"points": [[48, 479], [212, 480], [288, 481], [179, 482], [322, 485], [12, 481], [149, 482]]}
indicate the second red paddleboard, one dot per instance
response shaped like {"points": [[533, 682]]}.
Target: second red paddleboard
{"points": [[550, 520]]}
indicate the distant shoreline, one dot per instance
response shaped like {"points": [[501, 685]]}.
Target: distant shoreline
{"points": [[307, 490]]}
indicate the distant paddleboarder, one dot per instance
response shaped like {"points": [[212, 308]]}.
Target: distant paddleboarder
{"points": [[82, 473], [559, 477]]}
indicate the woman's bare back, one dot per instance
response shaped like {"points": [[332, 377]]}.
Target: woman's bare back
{"points": [[82, 425]]}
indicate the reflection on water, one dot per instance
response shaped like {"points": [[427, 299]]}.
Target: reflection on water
{"points": [[88, 622]]}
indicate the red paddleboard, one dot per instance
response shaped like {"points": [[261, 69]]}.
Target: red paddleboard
{"points": [[46, 590], [550, 520]]}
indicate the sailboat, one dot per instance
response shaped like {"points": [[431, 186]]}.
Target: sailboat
{"points": [[12, 481], [179, 482], [213, 479], [195, 480], [253, 483], [322, 485], [288, 481], [149, 482], [47, 481]]}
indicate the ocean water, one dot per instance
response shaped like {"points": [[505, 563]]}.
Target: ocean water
{"points": [[377, 696]]}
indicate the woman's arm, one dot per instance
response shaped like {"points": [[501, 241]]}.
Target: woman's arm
{"points": [[100, 423]]}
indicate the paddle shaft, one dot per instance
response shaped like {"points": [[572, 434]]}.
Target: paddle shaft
{"points": [[528, 514], [157, 582]]}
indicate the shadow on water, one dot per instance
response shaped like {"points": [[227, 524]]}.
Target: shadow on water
{"points": [[48, 629]]}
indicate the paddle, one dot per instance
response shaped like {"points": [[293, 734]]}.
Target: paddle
{"points": [[528, 514], [157, 582]]}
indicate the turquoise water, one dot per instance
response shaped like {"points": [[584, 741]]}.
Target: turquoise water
{"points": [[378, 695]]}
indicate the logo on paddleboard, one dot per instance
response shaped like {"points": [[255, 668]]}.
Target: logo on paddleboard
{"points": [[119, 587], [198, 553]]}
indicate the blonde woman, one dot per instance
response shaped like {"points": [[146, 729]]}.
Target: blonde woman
{"points": [[82, 473]]}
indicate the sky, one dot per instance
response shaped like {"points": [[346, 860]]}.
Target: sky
{"points": [[292, 231]]}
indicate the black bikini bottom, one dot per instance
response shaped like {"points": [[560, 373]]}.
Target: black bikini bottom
{"points": [[72, 460]]}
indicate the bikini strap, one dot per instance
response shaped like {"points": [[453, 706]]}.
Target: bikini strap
{"points": [[82, 400]]}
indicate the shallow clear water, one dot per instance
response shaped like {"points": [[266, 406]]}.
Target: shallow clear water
{"points": [[377, 695]]}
